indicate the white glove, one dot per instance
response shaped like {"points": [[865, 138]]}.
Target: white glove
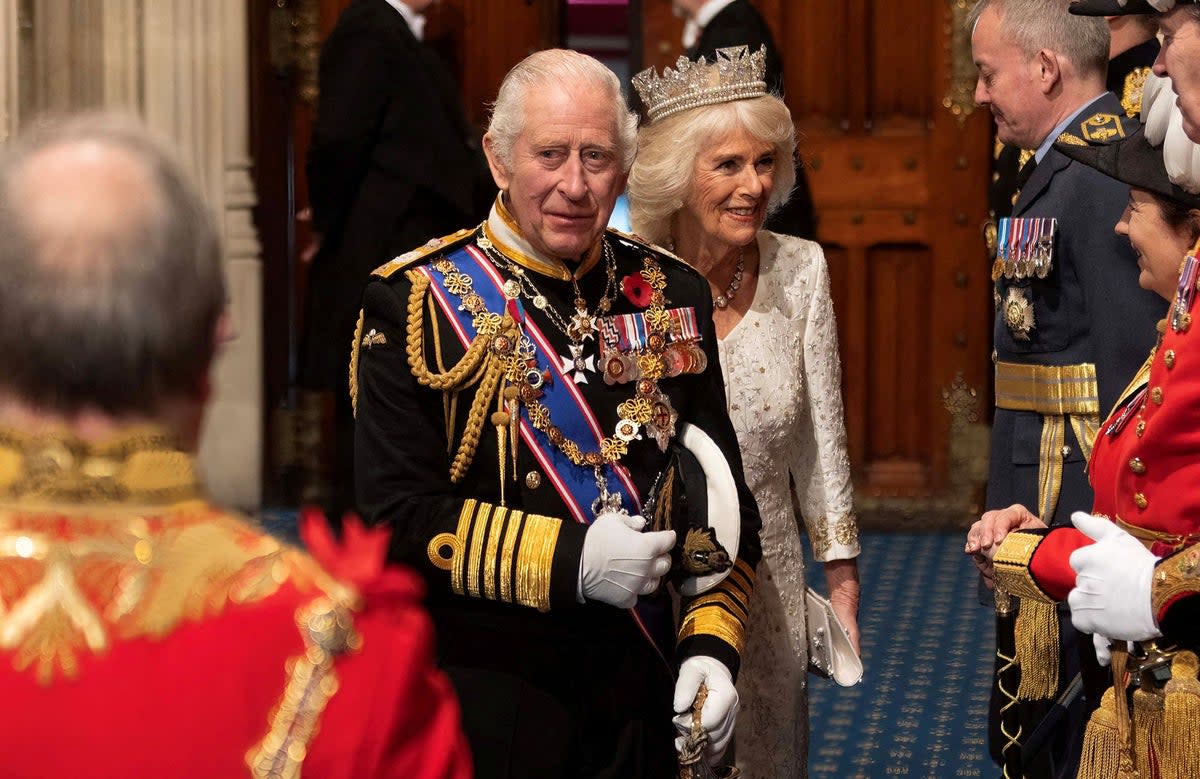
{"points": [[1112, 582], [1104, 648], [620, 562], [720, 708]]}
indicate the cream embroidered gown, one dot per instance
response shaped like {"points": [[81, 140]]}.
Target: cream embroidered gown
{"points": [[783, 387]]}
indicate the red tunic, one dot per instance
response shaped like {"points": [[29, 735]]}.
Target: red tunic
{"points": [[1145, 468], [142, 638]]}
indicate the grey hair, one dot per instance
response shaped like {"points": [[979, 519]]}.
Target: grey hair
{"points": [[115, 314], [1034, 25], [662, 177], [561, 66]]}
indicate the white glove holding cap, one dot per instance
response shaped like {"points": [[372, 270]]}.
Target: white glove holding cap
{"points": [[620, 562]]}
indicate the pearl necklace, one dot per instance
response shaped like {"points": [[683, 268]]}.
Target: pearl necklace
{"points": [[723, 300]]}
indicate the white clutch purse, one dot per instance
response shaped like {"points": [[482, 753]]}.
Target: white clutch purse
{"points": [[830, 653]]}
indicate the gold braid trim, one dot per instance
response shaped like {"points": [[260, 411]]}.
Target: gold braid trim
{"points": [[479, 364], [1036, 627], [1011, 565], [354, 347], [714, 621], [1037, 644], [729, 600], [1179, 753], [534, 560], [1175, 576], [328, 631]]}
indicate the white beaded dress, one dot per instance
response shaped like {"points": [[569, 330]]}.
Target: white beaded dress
{"points": [[783, 388]]}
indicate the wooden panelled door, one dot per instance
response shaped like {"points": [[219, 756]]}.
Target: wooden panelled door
{"points": [[898, 163]]}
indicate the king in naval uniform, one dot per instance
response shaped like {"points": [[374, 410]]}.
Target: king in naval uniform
{"points": [[519, 390]]}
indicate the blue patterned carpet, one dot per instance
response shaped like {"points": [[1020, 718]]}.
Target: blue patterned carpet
{"points": [[921, 710]]}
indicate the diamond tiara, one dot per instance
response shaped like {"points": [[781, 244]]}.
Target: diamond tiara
{"points": [[736, 75]]}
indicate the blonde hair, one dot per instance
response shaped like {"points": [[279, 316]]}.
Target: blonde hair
{"points": [[667, 150]]}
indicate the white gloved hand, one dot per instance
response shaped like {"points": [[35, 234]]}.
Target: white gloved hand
{"points": [[1112, 582], [720, 707], [620, 562]]}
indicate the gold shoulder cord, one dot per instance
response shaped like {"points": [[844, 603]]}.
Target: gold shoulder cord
{"points": [[479, 365]]}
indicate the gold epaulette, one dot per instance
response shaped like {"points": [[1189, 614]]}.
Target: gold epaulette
{"points": [[1131, 92], [1103, 127], [723, 611], [499, 554], [432, 246]]}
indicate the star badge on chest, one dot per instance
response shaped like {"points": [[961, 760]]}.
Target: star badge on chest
{"points": [[1018, 314], [577, 366], [582, 326]]}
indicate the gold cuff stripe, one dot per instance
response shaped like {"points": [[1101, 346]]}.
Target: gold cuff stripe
{"points": [[714, 621], [478, 533], [507, 551], [534, 560], [737, 577], [491, 556], [1177, 576], [455, 543], [1047, 389], [1012, 566], [734, 606]]}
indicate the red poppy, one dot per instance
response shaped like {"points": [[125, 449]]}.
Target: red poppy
{"points": [[636, 290]]}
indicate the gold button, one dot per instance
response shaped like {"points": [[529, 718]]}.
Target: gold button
{"points": [[1157, 396], [533, 480], [1137, 466], [1169, 358], [1141, 428], [1140, 501]]}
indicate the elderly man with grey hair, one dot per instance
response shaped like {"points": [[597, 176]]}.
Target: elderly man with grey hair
{"points": [[1072, 327], [169, 637], [523, 390]]}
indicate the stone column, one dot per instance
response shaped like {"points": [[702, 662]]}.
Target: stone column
{"points": [[183, 65], [195, 91], [9, 56]]}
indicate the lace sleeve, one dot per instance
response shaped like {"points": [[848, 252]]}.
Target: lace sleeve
{"points": [[820, 465]]}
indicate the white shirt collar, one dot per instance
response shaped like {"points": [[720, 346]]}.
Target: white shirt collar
{"points": [[414, 20], [696, 24]]}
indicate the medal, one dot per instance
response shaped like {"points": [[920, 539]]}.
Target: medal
{"points": [[1018, 314]]}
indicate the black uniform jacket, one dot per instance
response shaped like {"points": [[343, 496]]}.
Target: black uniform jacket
{"points": [[521, 649], [393, 162]]}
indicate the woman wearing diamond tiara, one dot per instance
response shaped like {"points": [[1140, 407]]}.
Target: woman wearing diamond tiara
{"points": [[779, 355]]}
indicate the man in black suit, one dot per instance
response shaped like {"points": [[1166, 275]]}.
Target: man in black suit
{"points": [[1072, 327], [393, 163], [717, 24]]}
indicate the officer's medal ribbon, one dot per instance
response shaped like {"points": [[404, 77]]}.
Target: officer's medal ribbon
{"points": [[1025, 246], [1185, 293]]}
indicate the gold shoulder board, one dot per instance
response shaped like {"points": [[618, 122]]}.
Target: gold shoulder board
{"points": [[1102, 128], [410, 258]]}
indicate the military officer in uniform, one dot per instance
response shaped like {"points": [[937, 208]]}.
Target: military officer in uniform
{"points": [[145, 631], [1071, 327], [1129, 571], [1132, 49], [519, 387]]}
